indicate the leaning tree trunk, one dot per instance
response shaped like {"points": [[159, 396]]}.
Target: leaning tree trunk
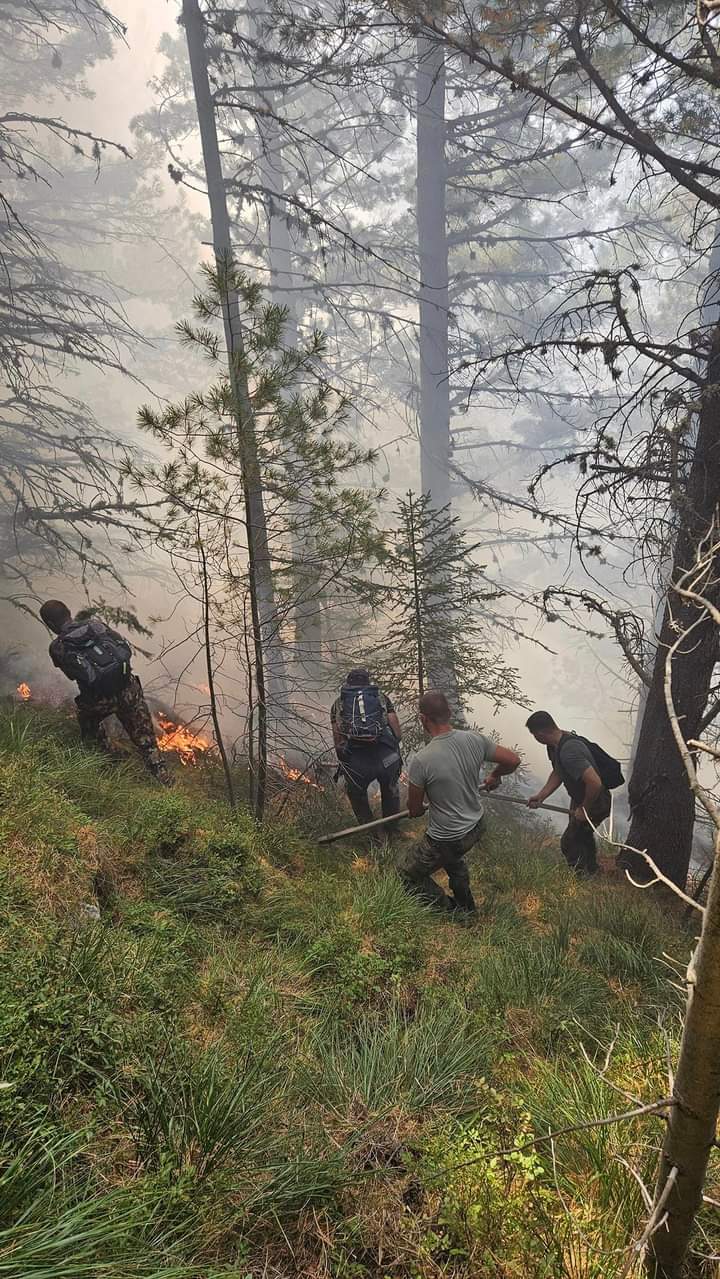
{"points": [[693, 1119], [662, 807], [431, 186], [268, 657]]}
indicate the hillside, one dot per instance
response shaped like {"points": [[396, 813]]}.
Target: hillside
{"points": [[264, 1060]]}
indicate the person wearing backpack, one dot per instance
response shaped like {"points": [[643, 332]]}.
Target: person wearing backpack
{"points": [[367, 735], [588, 774], [98, 659]]}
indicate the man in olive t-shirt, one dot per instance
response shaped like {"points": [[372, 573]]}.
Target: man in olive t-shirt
{"points": [[448, 773], [574, 768]]}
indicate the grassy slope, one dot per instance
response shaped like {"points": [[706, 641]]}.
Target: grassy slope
{"points": [[268, 1061]]}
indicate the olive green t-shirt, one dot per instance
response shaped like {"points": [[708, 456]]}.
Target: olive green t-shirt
{"points": [[451, 769]]}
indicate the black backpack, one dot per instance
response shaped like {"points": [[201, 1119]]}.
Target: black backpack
{"points": [[95, 656], [607, 767], [362, 714]]}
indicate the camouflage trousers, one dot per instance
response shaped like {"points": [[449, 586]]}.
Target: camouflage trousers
{"points": [[130, 707], [417, 866]]}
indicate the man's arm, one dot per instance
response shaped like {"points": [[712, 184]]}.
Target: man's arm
{"points": [[593, 787], [505, 761], [394, 723], [416, 800], [56, 655], [551, 785], [339, 738]]}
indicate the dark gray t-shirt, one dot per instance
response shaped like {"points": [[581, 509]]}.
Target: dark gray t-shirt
{"points": [[451, 769], [570, 760]]}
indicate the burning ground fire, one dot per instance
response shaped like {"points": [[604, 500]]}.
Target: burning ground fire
{"points": [[186, 744], [189, 746], [296, 774]]}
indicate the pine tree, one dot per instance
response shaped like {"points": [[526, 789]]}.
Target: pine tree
{"points": [[305, 472], [433, 601]]}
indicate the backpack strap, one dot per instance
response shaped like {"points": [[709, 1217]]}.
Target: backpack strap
{"points": [[566, 737]]}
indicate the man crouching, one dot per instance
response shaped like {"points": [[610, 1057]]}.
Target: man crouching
{"points": [[98, 659], [448, 774]]}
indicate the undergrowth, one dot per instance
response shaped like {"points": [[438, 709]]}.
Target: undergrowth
{"points": [[265, 1059]]}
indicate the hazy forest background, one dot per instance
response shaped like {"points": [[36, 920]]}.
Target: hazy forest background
{"points": [[512, 257]]}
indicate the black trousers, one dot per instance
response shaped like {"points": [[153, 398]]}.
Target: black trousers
{"points": [[363, 765], [578, 839]]}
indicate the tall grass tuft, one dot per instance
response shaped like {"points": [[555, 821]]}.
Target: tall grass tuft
{"points": [[200, 1112], [389, 1060], [54, 1225]]}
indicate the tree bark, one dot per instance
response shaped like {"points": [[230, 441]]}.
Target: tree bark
{"points": [[434, 301], [709, 319], [307, 609], [417, 605], [434, 304], [693, 1119], [266, 629], [210, 669], [662, 807]]}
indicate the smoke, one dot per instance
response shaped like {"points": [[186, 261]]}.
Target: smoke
{"points": [[577, 680]]}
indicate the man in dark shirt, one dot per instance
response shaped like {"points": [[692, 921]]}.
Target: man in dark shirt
{"points": [[121, 694], [574, 768], [378, 758]]}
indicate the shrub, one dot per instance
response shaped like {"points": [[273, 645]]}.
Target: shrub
{"points": [[491, 1209]]}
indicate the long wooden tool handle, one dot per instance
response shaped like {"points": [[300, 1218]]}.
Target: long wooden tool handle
{"points": [[396, 817], [515, 799], [355, 830]]}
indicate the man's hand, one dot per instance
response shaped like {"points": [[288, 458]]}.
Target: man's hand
{"points": [[578, 814], [492, 781], [535, 801]]}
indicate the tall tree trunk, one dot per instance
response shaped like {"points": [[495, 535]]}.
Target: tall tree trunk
{"points": [[434, 303], [433, 262], [693, 1119], [269, 665], [307, 610], [709, 318], [417, 603], [662, 807], [210, 669]]}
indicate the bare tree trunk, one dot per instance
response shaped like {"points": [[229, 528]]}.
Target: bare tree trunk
{"points": [[693, 1120], [433, 255], [307, 609], [210, 668], [266, 630], [662, 807], [434, 302]]}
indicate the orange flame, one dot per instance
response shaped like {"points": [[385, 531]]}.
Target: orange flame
{"points": [[296, 774], [23, 692], [181, 739]]}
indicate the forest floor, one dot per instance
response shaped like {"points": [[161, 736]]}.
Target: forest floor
{"points": [[265, 1060]]}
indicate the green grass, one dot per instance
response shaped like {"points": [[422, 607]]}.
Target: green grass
{"points": [[266, 1059]]}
